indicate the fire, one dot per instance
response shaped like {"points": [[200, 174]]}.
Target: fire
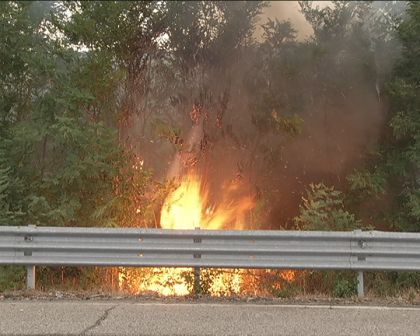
{"points": [[289, 275], [189, 206], [183, 207]]}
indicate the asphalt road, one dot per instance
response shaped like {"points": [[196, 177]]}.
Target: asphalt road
{"points": [[133, 318]]}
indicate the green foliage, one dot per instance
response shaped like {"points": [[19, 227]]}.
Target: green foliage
{"points": [[323, 209], [10, 187], [125, 29], [344, 288], [340, 284], [388, 284], [59, 150], [12, 277], [396, 173], [365, 183], [210, 33]]}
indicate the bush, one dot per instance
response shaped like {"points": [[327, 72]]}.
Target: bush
{"points": [[386, 284], [323, 209], [345, 288]]}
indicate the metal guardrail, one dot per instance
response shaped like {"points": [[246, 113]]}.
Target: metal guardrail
{"points": [[357, 250]]}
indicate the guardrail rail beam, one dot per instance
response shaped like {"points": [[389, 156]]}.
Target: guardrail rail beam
{"points": [[359, 251]]}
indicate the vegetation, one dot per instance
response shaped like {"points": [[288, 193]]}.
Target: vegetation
{"points": [[395, 171], [323, 209], [97, 97]]}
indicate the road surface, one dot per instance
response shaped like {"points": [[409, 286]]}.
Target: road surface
{"points": [[134, 318]]}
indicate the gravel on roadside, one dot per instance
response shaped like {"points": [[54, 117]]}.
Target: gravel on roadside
{"points": [[306, 300]]}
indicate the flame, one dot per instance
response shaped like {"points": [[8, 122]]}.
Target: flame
{"points": [[289, 275], [189, 206], [183, 207]]}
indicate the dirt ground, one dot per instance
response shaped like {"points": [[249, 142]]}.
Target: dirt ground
{"points": [[405, 300]]}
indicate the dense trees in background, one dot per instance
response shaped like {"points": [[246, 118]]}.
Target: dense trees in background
{"points": [[60, 160], [95, 99], [393, 180], [324, 88]]}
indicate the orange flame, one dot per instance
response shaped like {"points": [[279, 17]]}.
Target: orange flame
{"points": [[187, 207], [183, 207]]}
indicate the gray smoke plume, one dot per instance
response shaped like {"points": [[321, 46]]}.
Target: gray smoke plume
{"points": [[340, 100]]}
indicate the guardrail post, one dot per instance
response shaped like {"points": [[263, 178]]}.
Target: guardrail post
{"points": [[361, 244], [30, 277], [360, 285], [30, 269], [197, 270]]}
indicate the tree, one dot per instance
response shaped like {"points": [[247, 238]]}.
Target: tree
{"points": [[58, 158], [395, 174], [323, 92]]}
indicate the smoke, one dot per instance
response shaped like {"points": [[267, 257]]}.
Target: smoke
{"points": [[343, 108], [288, 10], [335, 86]]}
